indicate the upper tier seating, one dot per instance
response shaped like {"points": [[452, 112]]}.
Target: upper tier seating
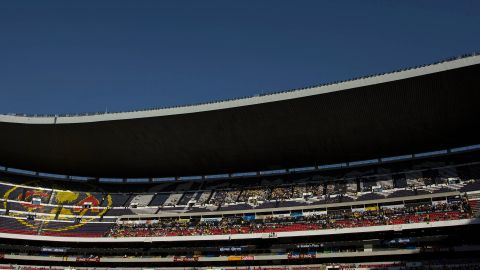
{"points": [[141, 200], [19, 193], [259, 194], [116, 200], [3, 189], [159, 199], [66, 197], [472, 186], [173, 199], [222, 200], [203, 197]]}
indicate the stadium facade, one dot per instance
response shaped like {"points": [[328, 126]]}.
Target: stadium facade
{"points": [[375, 172]]}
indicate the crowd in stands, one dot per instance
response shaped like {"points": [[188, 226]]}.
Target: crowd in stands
{"points": [[203, 198], [171, 203], [316, 221], [263, 197], [284, 193], [220, 195], [327, 192], [224, 197], [259, 193]]}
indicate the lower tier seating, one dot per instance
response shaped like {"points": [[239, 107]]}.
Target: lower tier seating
{"points": [[451, 208], [338, 219]]}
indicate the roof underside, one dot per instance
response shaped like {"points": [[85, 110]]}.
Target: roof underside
{"points": [[420, 113]]}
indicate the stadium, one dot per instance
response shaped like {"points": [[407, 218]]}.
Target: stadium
{"points": [[377, 172]]}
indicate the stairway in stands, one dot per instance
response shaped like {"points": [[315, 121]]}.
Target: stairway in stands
{"points": [[40, 228]]}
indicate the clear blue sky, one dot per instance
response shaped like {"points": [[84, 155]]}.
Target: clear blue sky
{"points": [[86, 56]]}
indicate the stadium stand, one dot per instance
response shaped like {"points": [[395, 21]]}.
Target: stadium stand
{"points": [[413, 211]]}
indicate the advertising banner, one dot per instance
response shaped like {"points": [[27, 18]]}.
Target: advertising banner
{"points": [[301, 256], [241, 258], [314, 213], [88, 259], [185, 259], [230, 249]]}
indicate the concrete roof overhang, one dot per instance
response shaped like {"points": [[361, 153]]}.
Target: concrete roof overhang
{"points": [[420, 109]]}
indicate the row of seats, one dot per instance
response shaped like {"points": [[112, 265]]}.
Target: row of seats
{"points": [[221, 194]]}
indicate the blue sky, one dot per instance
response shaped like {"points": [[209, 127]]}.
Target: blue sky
{"points": [[88, 56]]}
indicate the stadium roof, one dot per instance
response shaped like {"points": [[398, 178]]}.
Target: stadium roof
{"points": [[419, 109]]}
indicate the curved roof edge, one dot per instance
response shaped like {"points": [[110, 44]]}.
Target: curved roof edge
{"points": [[453, 63]]}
